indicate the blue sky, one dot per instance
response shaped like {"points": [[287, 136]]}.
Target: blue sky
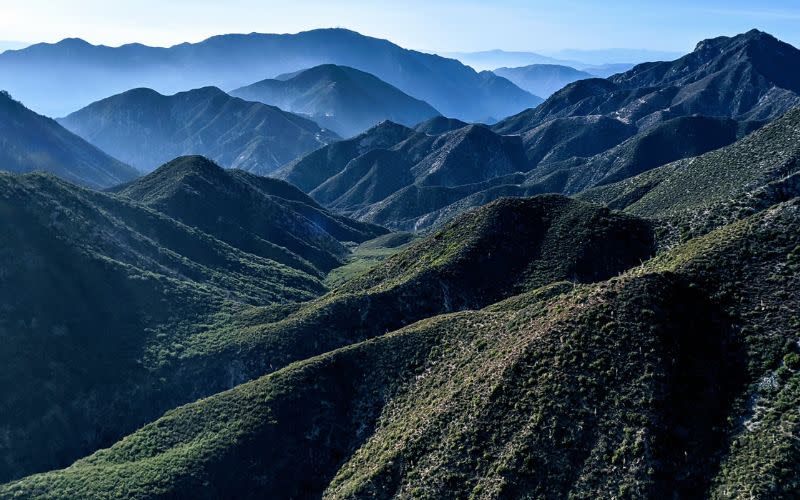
{"points": [[441, 25]]}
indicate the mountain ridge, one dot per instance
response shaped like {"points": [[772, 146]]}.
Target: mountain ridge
{"points": [[231, 61], [32, 142], [345, 100], [148, 129]]}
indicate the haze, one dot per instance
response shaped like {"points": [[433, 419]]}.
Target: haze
{"points": [[446, 25]]}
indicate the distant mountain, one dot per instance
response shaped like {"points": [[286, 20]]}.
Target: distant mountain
{"points": [[683, 137], [395, 176], [590, 133], [31, 142], [734, 77], [258, 215], [147, 129], [12, 45], [542, 79], [345, 100], [59, 78], [491, 59], [751, 76], [599, 57], [606, 70]]}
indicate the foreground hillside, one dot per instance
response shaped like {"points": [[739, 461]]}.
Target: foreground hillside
{"points": [[650, 384], [31, 142], [201, 338], [345, 100], [100, 294], [147, 129]]}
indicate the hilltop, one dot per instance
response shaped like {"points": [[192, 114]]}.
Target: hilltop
{"points": [[345, 100], [262, 216], [147, 129]]}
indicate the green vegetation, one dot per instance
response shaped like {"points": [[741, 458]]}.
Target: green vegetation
{"points": [[559, 391], [368, 255], [98, 296], [544, 347], [258, 215]]}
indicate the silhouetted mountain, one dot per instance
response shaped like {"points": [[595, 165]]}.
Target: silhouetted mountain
{"points": [[261, 216], [542, 79], [31, 142], [147, 129], [345, 100], [598, 57], [60, 78], [490, 59]]}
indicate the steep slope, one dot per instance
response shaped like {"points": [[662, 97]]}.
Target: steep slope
{"points": [[389, 177], [639, 386], [315, 168], [739, 77], [31, 142], [590, 133], [147, 129], [760, 168], [345, 100], [542, 79], [733, 77], [200, 340], [258, 215], [59, 78], [674, 139], [97, 294]]}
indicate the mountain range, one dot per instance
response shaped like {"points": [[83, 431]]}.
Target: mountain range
{"points": [[595, 61], [592, 132], [147, 129], [31, 142], [57, 79], [598, 299], [542, 79], [542, 346], [342, 99]]}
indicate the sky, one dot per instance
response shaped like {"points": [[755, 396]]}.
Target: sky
{"points": [[433, 25]]}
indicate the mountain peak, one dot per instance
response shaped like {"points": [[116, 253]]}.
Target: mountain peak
{"points": [[74, 42], [727, 42], [190, 163]]}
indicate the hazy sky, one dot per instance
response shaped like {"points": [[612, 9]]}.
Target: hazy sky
{"points": [[442, 25]]}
